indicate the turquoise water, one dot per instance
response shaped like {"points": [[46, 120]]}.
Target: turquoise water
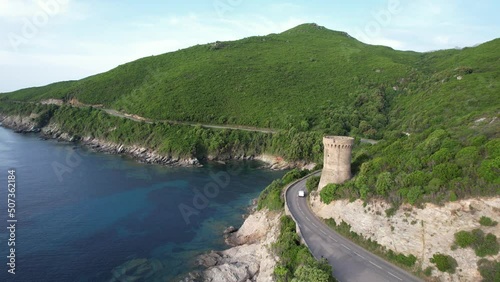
{"points": [[85, 216]]}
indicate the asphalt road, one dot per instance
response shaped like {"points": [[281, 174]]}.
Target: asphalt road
{"points": [[349, 261], [231, 127]]}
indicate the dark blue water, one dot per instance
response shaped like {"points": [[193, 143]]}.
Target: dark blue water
{"points": [[85, 216]]}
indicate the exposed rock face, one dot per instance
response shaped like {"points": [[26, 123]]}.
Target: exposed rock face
{"points": [[278, 163], [58, 102], [421, 232], [140, 153], [23, 124], [251, 259]]}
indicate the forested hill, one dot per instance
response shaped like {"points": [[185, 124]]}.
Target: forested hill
{"points": [[437, 113], [308, 77]]}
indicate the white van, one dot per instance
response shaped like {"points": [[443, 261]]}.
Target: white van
{"points": [[302, 193]]}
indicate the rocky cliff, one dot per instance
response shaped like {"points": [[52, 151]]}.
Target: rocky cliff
{"points": [[20, 123], [421, 232], [250, 259]]}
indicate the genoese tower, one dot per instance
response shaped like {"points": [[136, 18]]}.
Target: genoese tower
{"points": [[336, 160]]}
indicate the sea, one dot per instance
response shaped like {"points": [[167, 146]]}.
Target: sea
{"points": [[70, 214]]}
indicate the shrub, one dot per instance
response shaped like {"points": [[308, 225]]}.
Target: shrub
{"points": [[490, 270], [402, 259], [428, 271], [295, 261], [490, 170], [446, 172], [306, 273], [486, 221], [312, 183], [468, 156], [482, 245], [464, 239], [327, 194], [391, 211], [294, 174], [414, 194], [444, 263], [384, 183], [271, 196], [486, 246]]}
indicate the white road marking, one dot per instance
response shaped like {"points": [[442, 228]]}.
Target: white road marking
{"points": [[345, 247], [323, 232], [395, 276], [359, 255], [333, 239], [375, 264]]}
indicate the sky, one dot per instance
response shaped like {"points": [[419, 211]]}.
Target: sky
{"points": [[45, 41]]}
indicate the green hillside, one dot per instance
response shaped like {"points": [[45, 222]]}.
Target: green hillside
{"points": [[436, 112], [276, 81]]}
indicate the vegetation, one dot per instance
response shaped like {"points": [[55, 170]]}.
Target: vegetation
{"points": [[295, 262], [490, 270], [424, 167], [405, 261], [312, 183], [272, 197], [439, 134], [486, 221], [482, 245], [439, 137], [444, 263], [327, 194]]}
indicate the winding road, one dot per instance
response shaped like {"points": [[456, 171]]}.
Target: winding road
{"points": [[349, 261]]}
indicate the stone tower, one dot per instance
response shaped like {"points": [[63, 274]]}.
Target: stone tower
{"points": [[336, 160]]}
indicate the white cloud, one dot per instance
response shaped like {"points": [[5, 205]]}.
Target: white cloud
{"points": [[442, 39]]}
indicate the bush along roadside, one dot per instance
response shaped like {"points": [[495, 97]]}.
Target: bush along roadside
{"points": [[296, 263], [272, 197]]}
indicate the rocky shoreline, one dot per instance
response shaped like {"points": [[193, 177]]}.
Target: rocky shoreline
{"points": [[250, 258], [26, 124]]}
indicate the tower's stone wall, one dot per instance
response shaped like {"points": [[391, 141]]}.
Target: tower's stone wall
{"points": [[336, 160]]}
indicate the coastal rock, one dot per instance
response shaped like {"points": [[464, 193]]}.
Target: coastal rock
{"points": [[278, 163], [20, 124], [421, 232], [142, 154], [251, 260], [210, 259], [230, 229]]}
